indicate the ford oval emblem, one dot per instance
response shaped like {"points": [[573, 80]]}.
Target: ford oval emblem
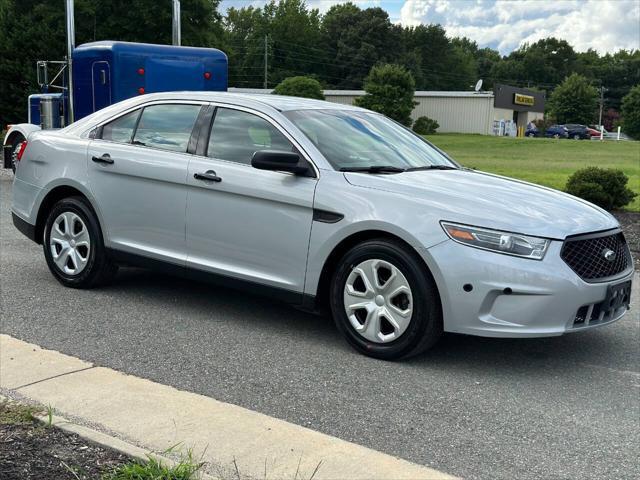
{"points": [[609, 255]]}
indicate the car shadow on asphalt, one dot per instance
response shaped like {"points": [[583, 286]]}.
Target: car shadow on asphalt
{"points": [[239, 306], [454, 351]]}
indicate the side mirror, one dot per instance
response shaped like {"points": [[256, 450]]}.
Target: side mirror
{"points": [[279, 161]]}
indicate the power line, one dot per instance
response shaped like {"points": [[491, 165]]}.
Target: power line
{"points": [[285, 53]]}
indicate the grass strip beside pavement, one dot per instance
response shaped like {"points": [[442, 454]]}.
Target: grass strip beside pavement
{"points": [[186, 469], [30, 449], [544, 161]]}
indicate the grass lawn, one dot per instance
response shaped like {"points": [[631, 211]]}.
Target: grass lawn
{"points": [[545, 161]]}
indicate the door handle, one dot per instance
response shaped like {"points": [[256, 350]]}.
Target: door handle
{"points": [[106, 158], [209, 175]]}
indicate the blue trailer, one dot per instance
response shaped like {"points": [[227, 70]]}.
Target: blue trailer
{"points": [[98, 74]]}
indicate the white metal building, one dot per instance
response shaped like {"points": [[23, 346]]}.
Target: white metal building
{"points": [[457, 112]]}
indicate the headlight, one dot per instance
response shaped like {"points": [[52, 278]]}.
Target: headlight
{"points": [[497, 241]]}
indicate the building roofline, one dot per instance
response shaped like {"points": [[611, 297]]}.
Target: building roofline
{"points": [[359, 93]]}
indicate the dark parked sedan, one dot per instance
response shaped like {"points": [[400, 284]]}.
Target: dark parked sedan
{"points": [[532, 131], [557, 131], [578, 132]]}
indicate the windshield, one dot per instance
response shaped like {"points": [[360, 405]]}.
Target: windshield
{"points": [[352, 139]]}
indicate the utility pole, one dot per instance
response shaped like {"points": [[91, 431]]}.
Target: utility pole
{"points": [[71, 45], [175, 30], [266, 61], [602, 90]]}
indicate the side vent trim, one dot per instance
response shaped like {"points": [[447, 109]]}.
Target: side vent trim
{"points": [[325, 216]]}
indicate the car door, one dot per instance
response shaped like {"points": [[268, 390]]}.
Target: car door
{"points": [[137, 173], [251, 224]]}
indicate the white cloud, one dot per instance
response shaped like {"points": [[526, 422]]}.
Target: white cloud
{"points": [[413, 12], [604, 25]]}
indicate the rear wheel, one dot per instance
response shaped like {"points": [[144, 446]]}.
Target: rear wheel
{"points": [[384, 301], [73, 245], [15, 146]]}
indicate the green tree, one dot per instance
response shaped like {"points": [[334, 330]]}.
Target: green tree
{"points": [[291, 32], [245, 31], [541, 64], [390, 89], [356, 40], [438, 58], [573, 101], [631, 113], [305, 87], [149, 21], [618, 73], [464, 63], [486, 58]]}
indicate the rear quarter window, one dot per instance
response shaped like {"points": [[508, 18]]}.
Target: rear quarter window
{"points": [[167, 127], [121, 129]]}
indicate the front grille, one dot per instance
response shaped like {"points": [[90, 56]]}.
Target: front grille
{"points": [[586, 255]]}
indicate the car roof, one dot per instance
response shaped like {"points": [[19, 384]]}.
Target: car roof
{"points": [[257, 100]]}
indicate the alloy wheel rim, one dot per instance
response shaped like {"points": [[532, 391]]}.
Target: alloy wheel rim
{"points": [[378, 301], [69, 243]]}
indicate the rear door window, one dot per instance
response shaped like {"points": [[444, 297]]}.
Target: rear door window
{"points": [[167, 127], [121, 129], [237, 135]]}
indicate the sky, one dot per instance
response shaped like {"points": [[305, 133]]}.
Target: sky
{"points": [[603, 25]]}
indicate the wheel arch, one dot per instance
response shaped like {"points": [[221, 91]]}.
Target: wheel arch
{"points": [[338, 251], [54, 195], [8, 140], [24, 129]]}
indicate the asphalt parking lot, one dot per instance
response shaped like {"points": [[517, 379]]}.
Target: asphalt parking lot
{"points": [[566, 407]]}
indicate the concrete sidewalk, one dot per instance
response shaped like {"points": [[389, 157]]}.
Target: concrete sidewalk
{"points": [[157, 417]]}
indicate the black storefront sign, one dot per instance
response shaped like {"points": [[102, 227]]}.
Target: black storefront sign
{"points": [[518, 99]]}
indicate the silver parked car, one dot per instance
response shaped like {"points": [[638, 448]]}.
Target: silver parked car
{"points": [[319, 204]]}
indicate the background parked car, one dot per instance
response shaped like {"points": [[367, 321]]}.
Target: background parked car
{"points": [[557, 131], [532, 131], [594, 131], [578, 132]]}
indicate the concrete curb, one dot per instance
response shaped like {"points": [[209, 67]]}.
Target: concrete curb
{"points": [[233, 441]]}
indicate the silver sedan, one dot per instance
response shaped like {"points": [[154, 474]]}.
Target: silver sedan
{"points": [[322, 205]]}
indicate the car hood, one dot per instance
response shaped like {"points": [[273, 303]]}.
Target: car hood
{"points": [[492, 201]]}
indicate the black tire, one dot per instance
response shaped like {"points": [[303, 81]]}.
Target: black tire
{"points": [[15, 144], [99, 268], [425, 327]]}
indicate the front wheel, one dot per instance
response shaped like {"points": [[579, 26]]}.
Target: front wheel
{"points": [[73, 245], [384, 301]]}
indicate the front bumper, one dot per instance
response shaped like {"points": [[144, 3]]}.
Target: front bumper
{"points": [[514, 297]]}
